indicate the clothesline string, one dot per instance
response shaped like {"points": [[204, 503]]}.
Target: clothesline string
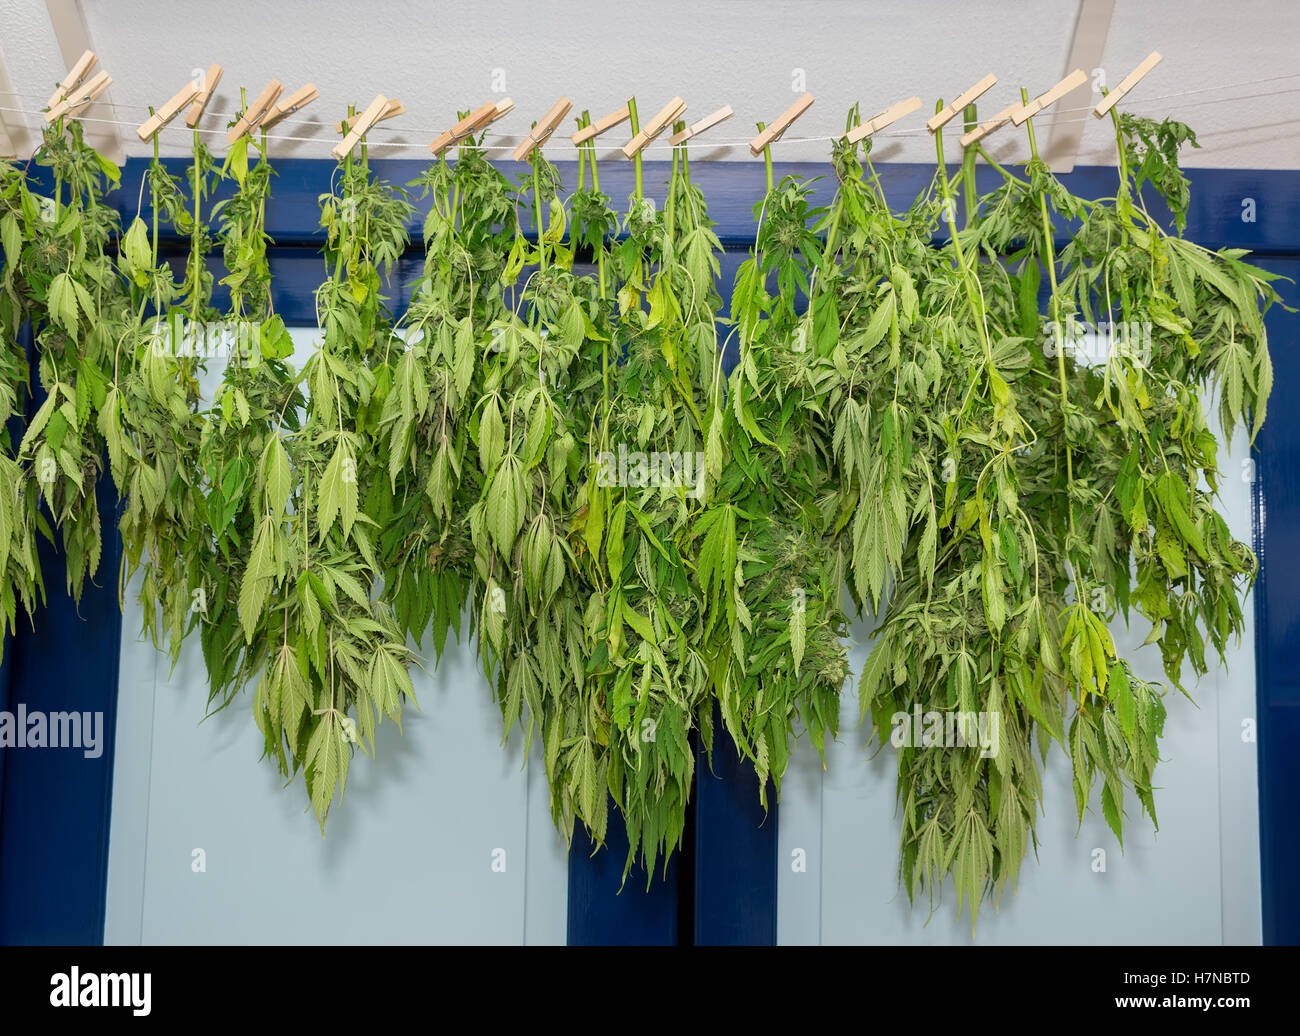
{"points": [[711, 142], [231, 115]]}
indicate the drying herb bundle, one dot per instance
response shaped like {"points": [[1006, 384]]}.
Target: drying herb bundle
{"points": [[289, 575], [436, 379], [1061, 478], [346, 646], [528, 430], [769, 566], [20, 574], [150, 419], [547, 441], [240, 450], [651, 482], [951, 563], [80, 310]]}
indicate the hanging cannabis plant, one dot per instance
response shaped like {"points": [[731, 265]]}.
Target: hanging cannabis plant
{"points": [[242, 463], [547, 440], [80, 310], [649, 491], [528, 434], [769, 567], [346, 646], [428, 398], [939, 375], [1059, 479], [150, 419], [20, 575]]}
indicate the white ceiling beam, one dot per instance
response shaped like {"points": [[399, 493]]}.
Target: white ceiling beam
{"points": [[1086, 49], [69, 24]]}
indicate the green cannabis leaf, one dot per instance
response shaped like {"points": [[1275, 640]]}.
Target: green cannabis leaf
{"points": [[548, 451]]}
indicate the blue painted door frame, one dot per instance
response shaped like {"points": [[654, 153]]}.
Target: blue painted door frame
{"points": [[1277, 625], [54, 808], [55, 802]]}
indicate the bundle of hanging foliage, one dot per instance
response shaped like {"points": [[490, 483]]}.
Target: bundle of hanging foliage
{"points": [[544, 451]]}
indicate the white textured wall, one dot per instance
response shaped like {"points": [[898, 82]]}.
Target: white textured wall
{"points": [[438, 57]]}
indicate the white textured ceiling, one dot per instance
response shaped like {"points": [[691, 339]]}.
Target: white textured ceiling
{"points": [[439, 57]]}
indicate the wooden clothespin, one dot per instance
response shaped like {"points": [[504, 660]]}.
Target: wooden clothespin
{"points": [[79, 70], [602, 125], [210, 81], [985, 128], [1127, 83], [480, 118], [664, 118], [168, 111], [937, 122], [256, 111], [706, 123], [540, 133], [1074, 79], [359, 127], [80, 96], [782, 123], [395, 107], [294, 102], [878, 122]]}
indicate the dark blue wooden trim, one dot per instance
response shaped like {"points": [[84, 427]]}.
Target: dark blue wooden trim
{"points": [[56, 802], [1277, 625], [733, 188], [5, 706], [735, 849], [606, 911]]}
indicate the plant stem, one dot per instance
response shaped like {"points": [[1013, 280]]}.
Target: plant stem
{"points": [[153, 200], [194, 234], [831, 234], [968, 275], [1049, 257], [600, 256], [595, 186], [583, 123], [1123, 189], [537, 207], [338, 258], [672, 182], [989, 159], [636, 161], [968, 170], [767, 159]]}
